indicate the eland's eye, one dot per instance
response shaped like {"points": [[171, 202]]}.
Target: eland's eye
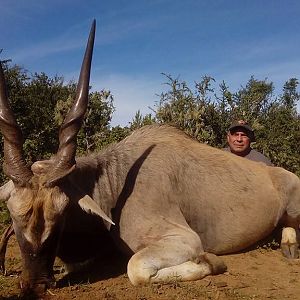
{"points": [[33, 256]]}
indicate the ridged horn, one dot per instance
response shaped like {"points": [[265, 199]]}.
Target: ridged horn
{"points": [[14, 165], [65, 157]]}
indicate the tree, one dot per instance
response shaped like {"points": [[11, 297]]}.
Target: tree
{"points": [[206, 116], [40, 104], [181, 107], [96, 124], [280, 134], [139, 120]]}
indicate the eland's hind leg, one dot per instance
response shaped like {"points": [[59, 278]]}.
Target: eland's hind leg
{"points": [[178, 255]]}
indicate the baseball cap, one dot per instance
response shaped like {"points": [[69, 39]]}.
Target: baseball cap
{"points": [[244, 125]]}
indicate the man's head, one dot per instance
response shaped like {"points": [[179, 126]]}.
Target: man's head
{"points": [[239, 137]]}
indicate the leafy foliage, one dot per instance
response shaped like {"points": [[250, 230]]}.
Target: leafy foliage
{"points": [[95, 129], [206, 115], [139, 121], [40, 104]]}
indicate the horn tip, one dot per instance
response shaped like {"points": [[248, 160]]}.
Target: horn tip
{"points": [[94, 24]]}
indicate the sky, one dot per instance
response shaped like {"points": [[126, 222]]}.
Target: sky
{"points": [[139, 40]]}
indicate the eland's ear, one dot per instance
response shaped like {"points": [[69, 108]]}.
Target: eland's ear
{"points": [[91, 207], [6, 190]]}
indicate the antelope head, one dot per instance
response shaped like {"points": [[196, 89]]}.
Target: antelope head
{"points": [[36, 200]]}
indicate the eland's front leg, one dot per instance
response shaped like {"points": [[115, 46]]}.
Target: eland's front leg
{"points": [[177, 256], [9, 231], [289, 244], [290, 239]]}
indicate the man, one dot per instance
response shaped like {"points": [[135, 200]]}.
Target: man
{"points": [[239, 138]]}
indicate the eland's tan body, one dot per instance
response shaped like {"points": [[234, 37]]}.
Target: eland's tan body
{"points": [[171, 202]]}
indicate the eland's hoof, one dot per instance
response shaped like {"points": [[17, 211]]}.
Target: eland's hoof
{"points": [[217, 265], [290, 250]]}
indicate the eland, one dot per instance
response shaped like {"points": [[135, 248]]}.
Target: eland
{"points": [[170, 202]]}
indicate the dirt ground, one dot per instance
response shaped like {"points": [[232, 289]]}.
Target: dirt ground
{"points": [[257, 274]]}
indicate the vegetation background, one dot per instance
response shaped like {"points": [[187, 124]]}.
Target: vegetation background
{"points": [[40, 103]]}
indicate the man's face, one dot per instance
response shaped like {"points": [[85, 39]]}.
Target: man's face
{"points": [[239, 141]]}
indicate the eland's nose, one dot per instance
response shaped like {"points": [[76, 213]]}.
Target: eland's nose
{"points": [[36, 290]]}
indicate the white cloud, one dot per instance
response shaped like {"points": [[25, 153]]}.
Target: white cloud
{"points": [[130, 95]]}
